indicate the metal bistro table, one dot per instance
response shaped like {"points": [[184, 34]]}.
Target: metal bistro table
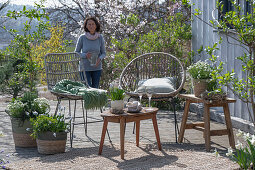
{"points": [[205, 126], [126, 117]]}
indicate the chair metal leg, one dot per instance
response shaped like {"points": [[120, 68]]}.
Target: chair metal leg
{"points": [[84, 118], [134, 128], [175, 121], [57, 107], [73, 123]]}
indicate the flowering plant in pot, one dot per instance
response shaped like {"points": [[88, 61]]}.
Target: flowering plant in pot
{"points": [[200, 73], [50, 132], [117, 96], [20, 111]]}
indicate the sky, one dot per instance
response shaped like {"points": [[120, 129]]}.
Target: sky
{"points": [[29, 2]]}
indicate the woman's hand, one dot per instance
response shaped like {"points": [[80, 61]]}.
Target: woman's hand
{"points": [[98, 62], [88, 55]]}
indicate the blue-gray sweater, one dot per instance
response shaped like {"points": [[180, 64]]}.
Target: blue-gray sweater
{"points": [[85, 45]]}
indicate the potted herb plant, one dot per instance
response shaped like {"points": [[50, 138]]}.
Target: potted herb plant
{"points": [[117, 103], [200, 73], [20, 111], [50, 132]]}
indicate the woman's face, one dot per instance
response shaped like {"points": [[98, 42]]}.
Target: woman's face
{"points": [[91, 26]]}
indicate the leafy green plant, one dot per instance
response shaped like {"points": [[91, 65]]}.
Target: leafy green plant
{"points": [[25, 68], [116, 94], [200, 70], [244, 154], [28, 106], [49, 123]]}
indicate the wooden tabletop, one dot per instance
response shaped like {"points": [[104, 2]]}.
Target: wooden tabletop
{"points": [[195, 99], [144, 111]]}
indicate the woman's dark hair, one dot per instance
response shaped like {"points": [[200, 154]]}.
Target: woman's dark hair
{"points": [[96, 22]]}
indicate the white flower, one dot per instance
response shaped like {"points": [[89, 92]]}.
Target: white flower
{"points": [[216, 153], [54, 134], [27, 113], [35, 113], [66, 131], [240, 133], [230, 152], [252, 140], [49, 122], [239, 145], [246, 136], [27, 129]]}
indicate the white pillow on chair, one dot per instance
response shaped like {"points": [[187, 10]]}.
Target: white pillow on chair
{"points": [[159, 85]]}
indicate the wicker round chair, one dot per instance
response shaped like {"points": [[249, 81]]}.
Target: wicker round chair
{"points": [[154, 65]]}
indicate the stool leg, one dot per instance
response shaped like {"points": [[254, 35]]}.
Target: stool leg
{"points": [[184, 121], [137, 132], [101, 110], [103, 136], [122, 136], [229, 125], [155, 125], [207, 127]]}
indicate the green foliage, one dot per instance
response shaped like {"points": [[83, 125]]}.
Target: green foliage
{"points": [[116, 94], [29, 106], [25, 68], [51, 123]]}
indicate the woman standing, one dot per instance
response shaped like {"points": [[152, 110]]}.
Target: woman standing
{"points": [[92, 49]]}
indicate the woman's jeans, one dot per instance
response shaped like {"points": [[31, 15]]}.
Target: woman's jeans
{"points": [[93, 78]]}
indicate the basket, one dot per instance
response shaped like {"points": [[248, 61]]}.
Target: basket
{"points": [[48, 144], [20, 134]]}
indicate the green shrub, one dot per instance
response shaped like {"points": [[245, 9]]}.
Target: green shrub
{"points": [[48, 123]]}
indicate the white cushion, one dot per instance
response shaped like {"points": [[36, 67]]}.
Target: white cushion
{"points": [[158, 85]]}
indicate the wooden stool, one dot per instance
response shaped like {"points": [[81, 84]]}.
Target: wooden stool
{"points": [[205, 126], [124, 118]]}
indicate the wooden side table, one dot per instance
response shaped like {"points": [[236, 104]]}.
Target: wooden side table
{"points": [[125, 118], [205, 126]]}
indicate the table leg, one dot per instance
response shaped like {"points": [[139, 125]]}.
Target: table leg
{"points": [[207, 127], [122, 135], [184, 121], [103, 136], [137, 129], [155, 125], [229, 125]]}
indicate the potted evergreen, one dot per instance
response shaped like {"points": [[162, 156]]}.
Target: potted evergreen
{"points": [[117, 103], [20, 111], [50, 132]]}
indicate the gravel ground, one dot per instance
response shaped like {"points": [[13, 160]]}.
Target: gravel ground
{"points": [[144, 157]]}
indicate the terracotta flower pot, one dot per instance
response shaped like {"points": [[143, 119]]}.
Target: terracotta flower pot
{"points": [[199, 86]]}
